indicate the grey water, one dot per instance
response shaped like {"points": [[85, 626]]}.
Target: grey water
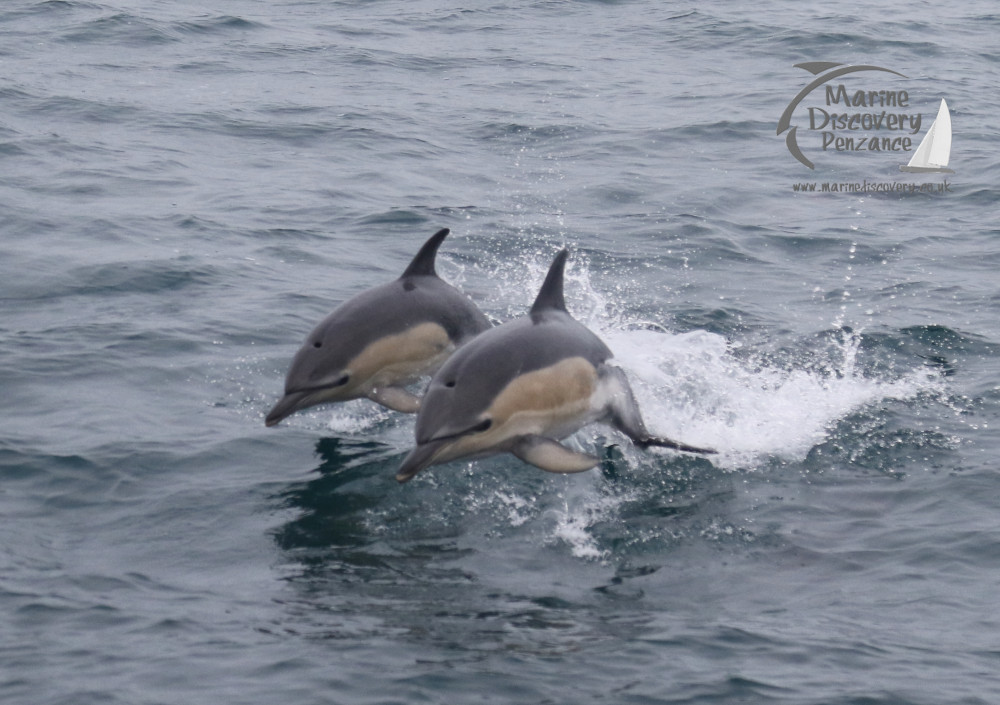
{"points": [[187, 188]]}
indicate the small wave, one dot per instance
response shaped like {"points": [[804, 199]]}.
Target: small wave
{"points": [[121, 28], [216, 25]]}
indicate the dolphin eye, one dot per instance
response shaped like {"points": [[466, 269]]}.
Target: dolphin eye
{"points": [[450, 383], [318, 344], [342, 381], [484, 426]]}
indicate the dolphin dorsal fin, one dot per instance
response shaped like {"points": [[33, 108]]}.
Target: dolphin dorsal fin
{"points": [[550, 296], [423, 263]]}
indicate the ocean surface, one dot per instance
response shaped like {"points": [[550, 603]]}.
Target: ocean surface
{"points": [[186, 190]]}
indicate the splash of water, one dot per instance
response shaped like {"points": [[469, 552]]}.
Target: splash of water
{"points": [[583, 507], [693, 388], [357, 416]]}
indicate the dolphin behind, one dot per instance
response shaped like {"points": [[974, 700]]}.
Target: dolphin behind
{"points": [[523, 386], [381, 340]]}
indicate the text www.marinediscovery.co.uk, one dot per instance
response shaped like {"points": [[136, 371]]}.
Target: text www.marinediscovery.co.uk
{"points": [[871, 187]]}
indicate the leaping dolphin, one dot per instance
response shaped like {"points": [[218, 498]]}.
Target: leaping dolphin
{"points": [[523, 386], [381, 340]]}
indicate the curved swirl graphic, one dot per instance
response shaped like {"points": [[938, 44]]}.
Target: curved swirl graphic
{"points": [[817, 67]]}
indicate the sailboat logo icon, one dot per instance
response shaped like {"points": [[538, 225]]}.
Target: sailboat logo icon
{"points": [[934, 151]]}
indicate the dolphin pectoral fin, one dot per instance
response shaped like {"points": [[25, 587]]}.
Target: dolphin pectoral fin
{"points": [[551, 456], [396, 398], [626, 417]]}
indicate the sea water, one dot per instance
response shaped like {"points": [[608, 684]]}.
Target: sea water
{"points": [[188, 189]]}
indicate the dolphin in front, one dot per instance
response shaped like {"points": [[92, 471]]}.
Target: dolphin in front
{"points": [[381, 340], [521, 387]]}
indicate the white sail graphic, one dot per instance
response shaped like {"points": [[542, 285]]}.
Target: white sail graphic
{"points": [[935, 149]]}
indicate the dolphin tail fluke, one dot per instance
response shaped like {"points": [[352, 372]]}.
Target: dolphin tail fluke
{"points": [[551, 456], [667, 443], [626, 417], [423, 262]]}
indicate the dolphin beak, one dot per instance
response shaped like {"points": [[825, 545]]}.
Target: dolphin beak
{"points": [[419, 458], [286, 406]]}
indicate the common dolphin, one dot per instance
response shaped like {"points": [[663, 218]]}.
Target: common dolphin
{"points": [[523, 386], [384, 338]]}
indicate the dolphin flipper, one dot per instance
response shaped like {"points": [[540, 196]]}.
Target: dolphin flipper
{"points": [[624, 414], [396, 398], [551, 456]]}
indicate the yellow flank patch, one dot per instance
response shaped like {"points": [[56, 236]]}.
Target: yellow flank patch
{"points": [[534, 403], [402, 356], [561, 390]]}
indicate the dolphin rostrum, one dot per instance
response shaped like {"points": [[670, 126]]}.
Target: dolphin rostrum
{"points": [[523, 386], [381, 340]]}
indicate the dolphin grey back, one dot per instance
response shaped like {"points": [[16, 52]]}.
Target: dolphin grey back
{"points": [[400, 305]]}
